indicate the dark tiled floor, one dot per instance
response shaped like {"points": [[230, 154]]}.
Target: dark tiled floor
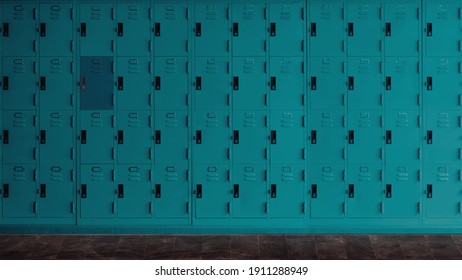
{"points": [[129, 247]]}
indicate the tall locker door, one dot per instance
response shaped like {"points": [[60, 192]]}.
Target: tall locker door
{"points": [[364, 137], [56, 83], [56, 29], [97, 191], [134, 137], [134, 83], [442, 28], [213, 84], [287, 137], [402, 83], [249, 29], [96, 29], [443, 136], [402, 190], [171, 83], [442, 190], [327, 191], [171, 191], [212, 191], [287, 29], [365, 85], [97, 83], [250, 83], [327, 28], [56, 137], [19, 137], [212, 33], [327, 137], [19, 29], [402, 29], [171, 29], [364, 29], [364, 191], [134, 191], [250, 137], [171, 137], [56, 191], [19, 191], [327, 83], [442, 83], [402, 136], [133, 29], [211, 137], [19, 83], [249, 191], [287, 191], [96, 137], [286, 83]]}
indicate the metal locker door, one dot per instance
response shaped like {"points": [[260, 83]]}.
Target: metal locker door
{"points": [[402, 83], [442, 29], [212, 191], [213, 84], [19, 191], [171, 83], [211, 136], [249, 191], [327, 29], [402, 136], [134, 137], [287, 29], [327, 191], [97, 29], [287, 139], [402, 27], [364, 191], [133, 29], [19, 83], [364, 29], [171, 137], [97, 191], [250, 137], [365, 84], [19, 29], [212, 30], [56, 137], [249, 29], [171, 29], [19, 137], [327, 83], [134, 83], [56, 83], [96, 137], [96, 83], [286, 83], [402, 190], [287, 191], [134, 191], [250, 83], [443, 134], [365, 137], [171, 191], [326, 137], [56, 29], [56, 191], [442, 190], [442, 83]]}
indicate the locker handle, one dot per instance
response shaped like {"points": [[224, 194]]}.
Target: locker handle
{"points": [[236, 136], [273, 83], [429, 83], [43, 83], [83, 29], [157, 82], [199, 137], [84, 191], [6, 190], [6, 137], [351, 83], [272, 29], [43, 137], [120, 29], [429, 137], [429, 29], [235, 29], [313, 83], [157, 191], [350, 29], [388, 137], [158, 137], [198, 29], [429, 191], [43, 190], [43, 28], [157, 29], [351, 137], [388, 191], [388, 83], [388, 29], [6, 82], [6, 29], [273, 193], [236, 191], [314, 191], [120, 83], [314, 139], [198, 83], [351, 191], [120, 137], [313, 29], [120, 190], [199, 191], [273, 137], [83, 137], [236, 83]]}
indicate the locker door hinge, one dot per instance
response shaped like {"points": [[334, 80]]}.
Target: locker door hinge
{"points": [[303, 208], [381, 207], [266, 207], [72, 207], [418, 207]]}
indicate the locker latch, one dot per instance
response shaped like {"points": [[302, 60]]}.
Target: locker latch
{"points": [[43, 29], [83, 137], [313, 29], [43, 83], [429, 83], [199, 191], [120, 190], [429, 191], [313, 83], [158, 191], [43, 190], [120, 137], [6, 137], [235, 29], [158, 137], [83, 29], [198, 29], [273, 83], [236, 83], [351, 191], [120, 83], [198, 136], [6, 29], [157, 82], [273, 137], [6, 83], [351, 83], [429, 137], [388, 29], [387, 83], [273, 191], [43, 137], [314, 139], [272, 29], [236, 137], [157, 29], [314, 191], [388, 137], [388, 191], [351, 137], [84, 191], [198, 83], [6, 190], [350, 29], [236, 191], [429, 29], [120, 29]]}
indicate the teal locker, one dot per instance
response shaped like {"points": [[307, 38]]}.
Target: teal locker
{"points": [[133, 29], [56, 137], [287, 90], [402, 29], [250, 137], [212, 29], [19, 191], [326, 28], [19, 83], [442, 83], [364, 29], [327, 83], [134, 137], [211, 137], [97, 193], [326, 189], [56, 29], [287, 191], [97, 83], [19, 137], [134, 83], [441, 193], [402, 83], [249, 29], [326, 137], [402, 136], [171, 137], [56, 83], [212, 83], [134, 191], [249, 191], [171, 83], [97, 29], [402, 190], [287, 29], [365, 85], [364, 137], [171, 29], [287, 137], [442, 137], [19, 29], [171, 191], [364, 191], [250, 83], [212, 191], [96, 137], [56, 191]]}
